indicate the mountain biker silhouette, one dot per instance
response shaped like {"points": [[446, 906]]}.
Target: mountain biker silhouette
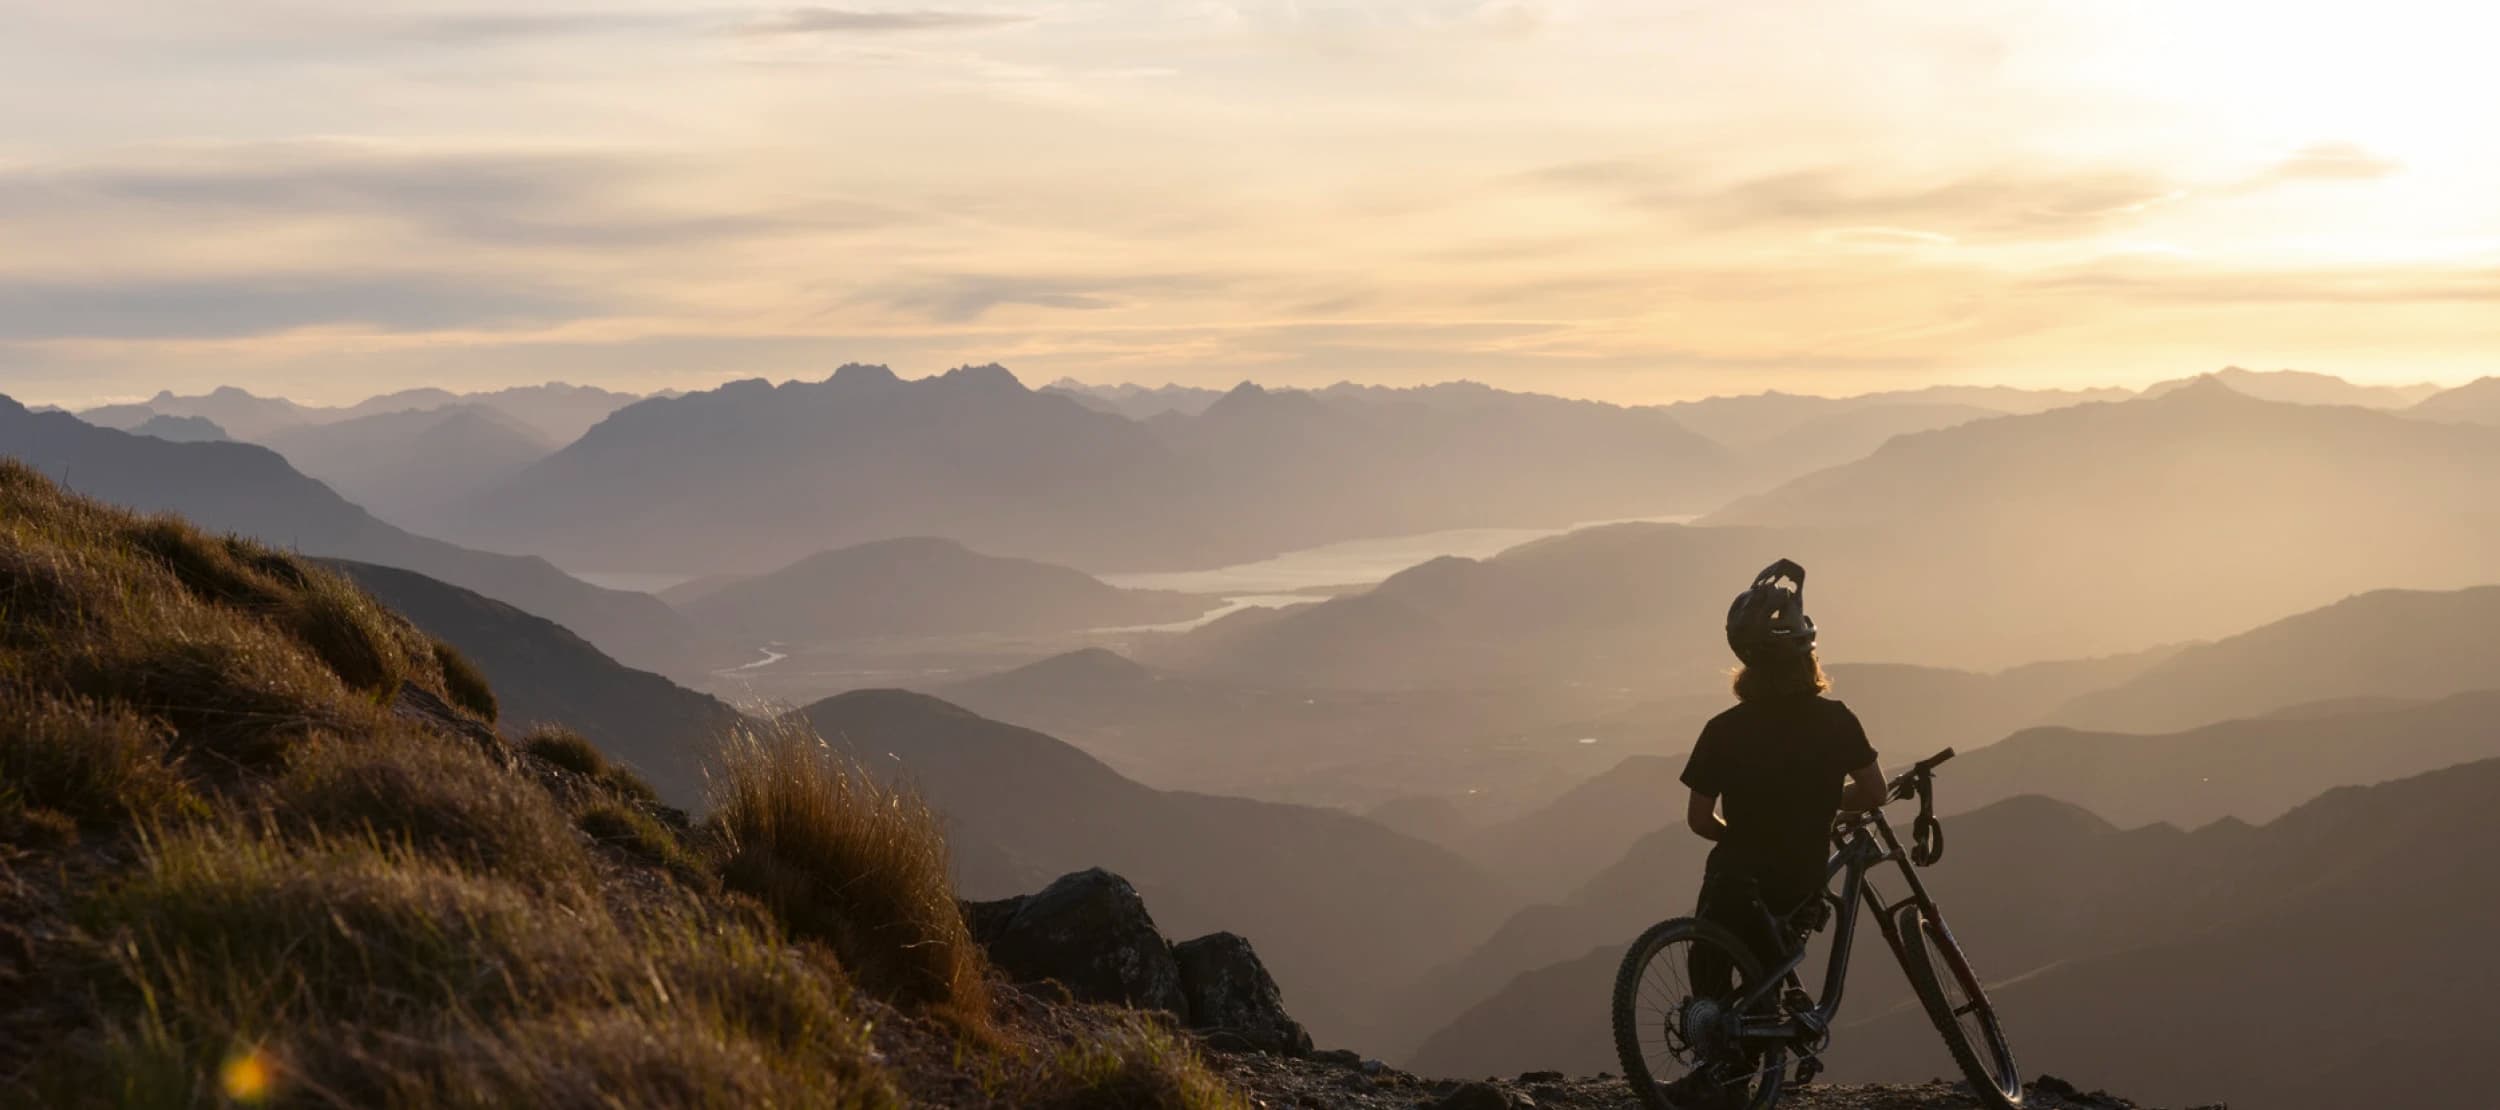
{"points": [[1766, 778]]}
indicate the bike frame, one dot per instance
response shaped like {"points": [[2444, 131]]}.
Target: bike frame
{"points": [[1869, 844]]}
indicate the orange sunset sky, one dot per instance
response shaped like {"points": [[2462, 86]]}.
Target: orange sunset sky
{"points": [[1626, 199]]}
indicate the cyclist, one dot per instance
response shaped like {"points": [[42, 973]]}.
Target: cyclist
{"points": [[1767, 777]]}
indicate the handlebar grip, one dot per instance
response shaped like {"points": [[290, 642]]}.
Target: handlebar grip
{"points": [[1934, 761]]}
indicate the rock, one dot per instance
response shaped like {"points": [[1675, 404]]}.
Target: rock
{"points": [[1233, 1000], [1088, 932], [1342, 1057], [1474, 1096], [1541, 1077]]}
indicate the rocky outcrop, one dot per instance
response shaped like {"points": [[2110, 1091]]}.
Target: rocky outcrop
{"points": [[1090, 933], [1232, 999]]}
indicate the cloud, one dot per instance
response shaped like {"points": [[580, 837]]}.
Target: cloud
{"points": [[2330, 161], [845, 21], [964, 298], [2148, 279], [557, 200], [497, 27], [1987, 204], [243, 305]]}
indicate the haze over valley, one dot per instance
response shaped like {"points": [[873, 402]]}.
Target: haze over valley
{"points": [[1212, 556]]}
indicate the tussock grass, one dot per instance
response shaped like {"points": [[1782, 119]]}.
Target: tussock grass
{"points": [[366, 974], [99, 767], [466, 685], [856, 864], [442, 798], [640, 835], [572, 751], [1134, 1062]]}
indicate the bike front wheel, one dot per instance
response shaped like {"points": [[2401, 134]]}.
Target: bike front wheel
{"points": [[1675, 1021], [1959, 1008]]}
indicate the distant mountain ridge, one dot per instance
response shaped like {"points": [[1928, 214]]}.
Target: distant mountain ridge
{"points": [[413, 466], [555, 412], [776, 473], [2476, 402], [2412, 644], [2303, 387]]}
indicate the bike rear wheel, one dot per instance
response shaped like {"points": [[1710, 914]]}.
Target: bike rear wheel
{"points": [[1959, 1008], [1670, 1029]]}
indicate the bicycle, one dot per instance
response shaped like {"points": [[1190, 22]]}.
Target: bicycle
{"points": [[1733, 1042]]}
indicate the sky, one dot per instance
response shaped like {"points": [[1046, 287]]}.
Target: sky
{"points": [[1636, 200]]}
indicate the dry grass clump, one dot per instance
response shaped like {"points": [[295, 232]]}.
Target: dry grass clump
{"points": [[640, 835], [465, 684], [574, 752], [362, 974], [97, 767], [1129, 1061], [439, 796], [843, 859]]}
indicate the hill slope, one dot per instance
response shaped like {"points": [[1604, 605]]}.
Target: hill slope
{"points": [[926, 587], [2476, 402], [546, 675], [2406, 644], [2251, 770], [251, 490], [2074, 528]]}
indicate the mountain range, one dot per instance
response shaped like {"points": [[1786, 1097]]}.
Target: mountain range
{"points": [[753, 475], [2089, 530], [555, 413], [413, 466]]}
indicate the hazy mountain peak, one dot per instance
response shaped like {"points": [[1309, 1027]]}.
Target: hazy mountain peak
{"points": [[986, 376], [861, 373]]}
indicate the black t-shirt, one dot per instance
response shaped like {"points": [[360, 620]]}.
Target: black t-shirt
{"points": [[1777, 767]]}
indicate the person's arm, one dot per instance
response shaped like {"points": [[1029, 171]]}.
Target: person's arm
{"points": [[1866, 789], [1701, 814]]}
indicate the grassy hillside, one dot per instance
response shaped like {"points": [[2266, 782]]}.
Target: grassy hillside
{"points": [[547, 675], [258, 845]]}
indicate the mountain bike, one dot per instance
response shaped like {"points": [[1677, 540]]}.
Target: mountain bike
{"points": [[1701, 1021]]}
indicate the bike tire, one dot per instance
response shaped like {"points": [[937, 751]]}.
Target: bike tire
{"points": [[1637, 1071], [1940, 972]]}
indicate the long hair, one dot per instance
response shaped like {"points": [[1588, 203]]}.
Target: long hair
{"points": [[1793, 676]]}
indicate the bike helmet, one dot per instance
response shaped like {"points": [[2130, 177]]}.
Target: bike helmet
{"points": [[1768, 621]]}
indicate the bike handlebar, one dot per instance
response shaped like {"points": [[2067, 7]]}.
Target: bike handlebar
{"points": [[1907, 783], [1927, 832]]}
